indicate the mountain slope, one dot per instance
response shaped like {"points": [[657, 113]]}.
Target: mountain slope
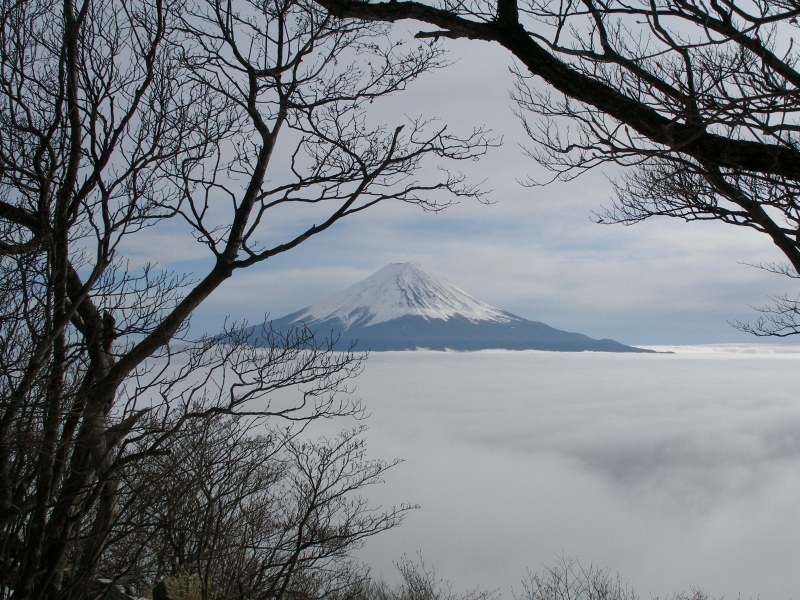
{"points": [[401, 307], [400, 290]]}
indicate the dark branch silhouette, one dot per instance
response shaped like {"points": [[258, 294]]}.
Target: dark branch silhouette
{"points": [[203, 120], [697, 100]]}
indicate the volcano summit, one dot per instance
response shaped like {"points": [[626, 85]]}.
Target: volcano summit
{"points": [[402, 307]]}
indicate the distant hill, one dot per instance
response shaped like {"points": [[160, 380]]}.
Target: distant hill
{"points": [[401, 307]]}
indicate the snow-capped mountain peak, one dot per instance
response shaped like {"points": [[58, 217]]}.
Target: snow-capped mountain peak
{"points": [[398, 290], [401, 307]]}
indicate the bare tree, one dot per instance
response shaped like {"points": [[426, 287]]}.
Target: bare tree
{"points": [[213, 118], [697, 100], [570, 579], [246, 512], [418, 581]]}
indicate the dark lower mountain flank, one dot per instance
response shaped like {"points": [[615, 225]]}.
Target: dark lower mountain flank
{"points": [[457, 333]]}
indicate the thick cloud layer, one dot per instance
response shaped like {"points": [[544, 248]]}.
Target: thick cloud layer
{"points": [[675, 470]]}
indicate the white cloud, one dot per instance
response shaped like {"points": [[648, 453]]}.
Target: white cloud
{"points": [[674, 470], [166, 247], [657, 273]]}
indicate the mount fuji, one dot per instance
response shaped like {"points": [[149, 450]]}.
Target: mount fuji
{"points": [[402, 307]]}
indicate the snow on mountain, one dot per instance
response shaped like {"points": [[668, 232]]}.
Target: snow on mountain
{"points": [[401, 290], [401, 307]]}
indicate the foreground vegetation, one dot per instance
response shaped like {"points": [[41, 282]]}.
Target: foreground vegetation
{"points": [[128, 448], [136, 459]]}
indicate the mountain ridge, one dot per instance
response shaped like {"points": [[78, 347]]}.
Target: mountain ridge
{"points": [[402, 307]]}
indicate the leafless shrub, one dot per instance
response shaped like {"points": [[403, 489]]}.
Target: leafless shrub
{"points": [[569, 580], [418, 581]]}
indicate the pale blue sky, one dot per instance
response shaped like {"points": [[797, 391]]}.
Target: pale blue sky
{"points": [[534, 252]]}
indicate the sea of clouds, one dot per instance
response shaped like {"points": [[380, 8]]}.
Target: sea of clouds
{"points": [[675, 470]]}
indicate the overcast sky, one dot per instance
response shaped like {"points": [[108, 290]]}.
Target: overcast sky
{"points": [[535, 251]]}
